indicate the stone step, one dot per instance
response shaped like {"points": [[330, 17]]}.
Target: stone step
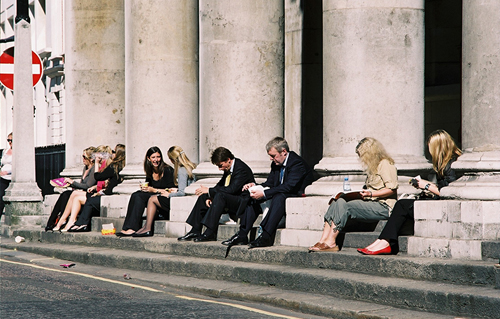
{"points": [[464, 272], [454, 288], [176, 229]]}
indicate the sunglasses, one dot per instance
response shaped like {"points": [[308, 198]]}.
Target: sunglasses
{"points": [[9, 140]]}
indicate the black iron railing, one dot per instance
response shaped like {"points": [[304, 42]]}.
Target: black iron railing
{"points": [[49, 163]]}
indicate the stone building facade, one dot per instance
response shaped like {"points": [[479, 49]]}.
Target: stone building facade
{"points": [[324, 74]]}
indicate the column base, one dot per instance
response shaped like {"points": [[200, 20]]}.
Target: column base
{"points": [[72, 172], [133, 175], [481, 179], [23, 192]]}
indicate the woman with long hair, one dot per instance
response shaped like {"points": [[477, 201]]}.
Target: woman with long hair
{"points": [[102, 159], [109, 177], [86, 181], [444, 152], [159, 178], [183, 177], [377, 198]]}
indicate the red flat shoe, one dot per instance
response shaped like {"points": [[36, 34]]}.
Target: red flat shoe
{"points": [[362, 251], [384, 251]]}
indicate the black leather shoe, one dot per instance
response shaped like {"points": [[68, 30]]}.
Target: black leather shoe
{"points": [[204, 237], [261, 242], [120, 234], [189, 236], [236, 240], [145, 234]]}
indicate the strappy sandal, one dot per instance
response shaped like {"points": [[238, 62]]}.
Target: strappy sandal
{"points": [[325, 247]]}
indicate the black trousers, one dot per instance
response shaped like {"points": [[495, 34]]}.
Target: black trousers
{"points": [[136, 205], [223, 203], [4, 183], [91, 208], [402, 212], [270, 223], [59, 207]]}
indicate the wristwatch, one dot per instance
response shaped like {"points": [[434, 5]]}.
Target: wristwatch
{"points": [[427, 187]]}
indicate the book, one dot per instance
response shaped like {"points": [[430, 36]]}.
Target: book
{"points": [[347, 196], [59, 182]]}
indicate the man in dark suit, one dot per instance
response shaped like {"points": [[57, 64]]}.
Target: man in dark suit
{"points": [[226, 195], [289, 177]]}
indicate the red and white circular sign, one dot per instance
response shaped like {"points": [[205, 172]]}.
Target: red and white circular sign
{"points": [[7, 68]]}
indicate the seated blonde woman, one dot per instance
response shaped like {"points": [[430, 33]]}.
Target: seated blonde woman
{"points": [[378, 197], [78, 198]]}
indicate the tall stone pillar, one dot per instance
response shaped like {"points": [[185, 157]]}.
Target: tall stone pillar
{"points": [[480, 103], [94, 77], [373, 84], [464, 228], [241, 79], [161, 76], [23, 197]]}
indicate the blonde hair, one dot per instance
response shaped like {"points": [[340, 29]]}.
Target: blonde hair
{"points": [[179, 158], [105, 150], [371, 152], [88, 153], [443, 149]]}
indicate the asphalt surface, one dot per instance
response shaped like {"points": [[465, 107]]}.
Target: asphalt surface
{"points": [[34, 286]]}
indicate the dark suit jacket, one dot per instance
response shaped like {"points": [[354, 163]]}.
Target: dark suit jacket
{"points": [[297, 176], [242, 174]]}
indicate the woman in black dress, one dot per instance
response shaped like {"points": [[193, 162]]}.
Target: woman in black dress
{"points": [[159, 177], [444, 152]]}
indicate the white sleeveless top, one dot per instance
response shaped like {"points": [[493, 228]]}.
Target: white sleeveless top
{"points": [[6, 165]]}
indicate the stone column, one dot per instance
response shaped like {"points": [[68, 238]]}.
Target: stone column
{"points": [[241, 79], [94, 77], [480, 104], [23, 197], [466, 227], [161, 76], [373, 84]]}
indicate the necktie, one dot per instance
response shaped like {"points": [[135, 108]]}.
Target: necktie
{"points": [[282, 174], [228, 179]]}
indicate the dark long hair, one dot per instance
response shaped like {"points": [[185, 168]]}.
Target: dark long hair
{"points": [[148, 167]]}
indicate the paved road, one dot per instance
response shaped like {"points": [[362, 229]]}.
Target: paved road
{"points": [[33, 286]]}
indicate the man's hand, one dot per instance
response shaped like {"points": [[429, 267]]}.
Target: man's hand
{"points": [[257, 194], [208, 202], [247, 186], [201, 190]]}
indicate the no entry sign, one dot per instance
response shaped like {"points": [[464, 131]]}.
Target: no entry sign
{"points": [[7, 68]]}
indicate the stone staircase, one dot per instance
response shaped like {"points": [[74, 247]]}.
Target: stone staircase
{"points": [[417, 286], [363, 286]]}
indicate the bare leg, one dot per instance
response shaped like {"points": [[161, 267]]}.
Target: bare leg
{"points": [[153, 203], [67, 209], [78, 202]]}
